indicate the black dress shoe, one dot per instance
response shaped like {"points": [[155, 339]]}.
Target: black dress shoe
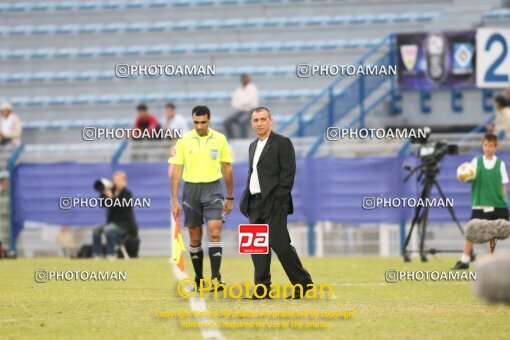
{"points": [[266, 297], [297, 292]]}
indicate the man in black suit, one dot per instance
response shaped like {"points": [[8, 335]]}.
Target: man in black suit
{"points": [[267, 200]]}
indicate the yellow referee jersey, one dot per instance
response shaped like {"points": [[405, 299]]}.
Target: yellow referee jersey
{"points": [[201, 156]]}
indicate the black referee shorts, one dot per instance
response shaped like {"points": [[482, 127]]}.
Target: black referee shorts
{"points": [[202, 201], [496, 214]]}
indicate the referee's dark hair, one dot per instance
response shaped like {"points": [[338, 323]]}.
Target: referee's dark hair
{"points": [[141, 107], [262, 108], [170, 106], [201, 110]]}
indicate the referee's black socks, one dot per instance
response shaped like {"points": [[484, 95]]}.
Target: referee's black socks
{"points": [[215, 255], [197, 258]]}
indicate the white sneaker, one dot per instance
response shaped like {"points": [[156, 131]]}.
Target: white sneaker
{"points": [[111, 257], [97, 257]]}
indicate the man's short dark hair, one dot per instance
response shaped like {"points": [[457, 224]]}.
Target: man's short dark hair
{"points": [[501, 101], [262, 108], [142, 107], [170, 106], [201, 110], [490, 137]]}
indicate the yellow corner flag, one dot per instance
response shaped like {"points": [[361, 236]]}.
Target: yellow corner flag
{"points": [[178, 246]]}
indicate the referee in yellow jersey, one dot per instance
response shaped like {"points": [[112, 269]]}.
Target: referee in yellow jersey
{"points": [[201, 157]]}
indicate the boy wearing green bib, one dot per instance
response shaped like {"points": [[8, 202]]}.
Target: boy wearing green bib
{"points": [[488, 192]]}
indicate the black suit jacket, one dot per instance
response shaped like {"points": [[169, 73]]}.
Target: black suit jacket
{"points": [[276, 171]]}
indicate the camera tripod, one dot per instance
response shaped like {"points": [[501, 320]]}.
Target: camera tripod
{"points": [[421, 213]]}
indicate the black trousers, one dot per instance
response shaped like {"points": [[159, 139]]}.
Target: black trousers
{"points": [[240, 120], [279, 242]]}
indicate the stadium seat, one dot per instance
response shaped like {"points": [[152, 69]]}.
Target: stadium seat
{"points": [[90, 5], [66, 29], [111, 5]]}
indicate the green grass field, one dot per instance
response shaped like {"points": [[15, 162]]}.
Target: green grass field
{"points": [[117, 309]]}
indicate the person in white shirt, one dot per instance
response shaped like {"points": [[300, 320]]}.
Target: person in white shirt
{"points": [[173, 120], [10, 126], [244, 100]]}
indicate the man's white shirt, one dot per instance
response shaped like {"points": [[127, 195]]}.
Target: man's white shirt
{"points": [[177, 122], [489, 164], [245, 98], [254, 179]]}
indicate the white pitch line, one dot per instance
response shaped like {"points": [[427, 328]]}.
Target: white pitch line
{"points": [[196, 304]]}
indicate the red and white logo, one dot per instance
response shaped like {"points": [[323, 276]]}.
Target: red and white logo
{"points": [[253, 238]]}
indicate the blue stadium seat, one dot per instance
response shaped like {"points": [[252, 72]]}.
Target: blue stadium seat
{"points": [[134, 50], [202, 48], [127, 98], [206, 24], [90, 5], [159, 26], [66, 29], [156, 50], [107, 75], [64, 6], [405, 17], [204, 2], [308, 45], [42, 53], [19, 30], [134, 4], [252, 22], [43, 29], [181, 3], [111, 4], [60, 100], [18, 7], [137, 27], [268, 46], [40, 76], [84, 76], [114, 27], [65, 52], [82, 100], [110, 51], [182, 25], [158, 3], [225, 47], [88, 52], [106, 99], [314, 21], [230, 23], [41, 6], [15, 77], [90, 28], [155, 97], [37, 101], [61, 76]]}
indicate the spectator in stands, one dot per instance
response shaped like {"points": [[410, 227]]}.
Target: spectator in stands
{"points": [[10, 125], [244, 100], [173, 120], [120, 218], [502, 121], [145, 121]]}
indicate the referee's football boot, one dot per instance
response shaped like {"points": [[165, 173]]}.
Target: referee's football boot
{"points": [[460, 266], [218, 285]]}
